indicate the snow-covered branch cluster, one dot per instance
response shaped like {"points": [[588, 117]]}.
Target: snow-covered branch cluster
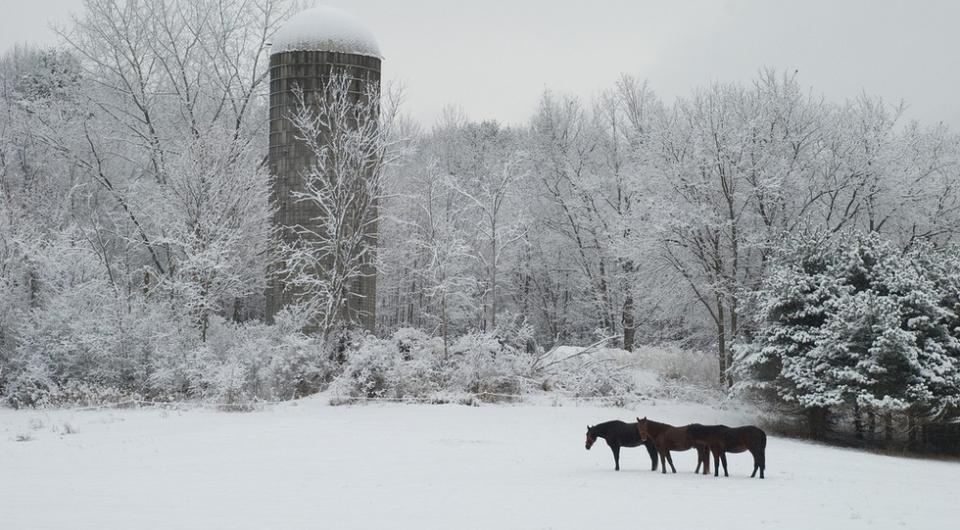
{"points": [[350, 138]]}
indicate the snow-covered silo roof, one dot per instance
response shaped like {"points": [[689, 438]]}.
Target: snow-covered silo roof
{"points": [[328, 29]]}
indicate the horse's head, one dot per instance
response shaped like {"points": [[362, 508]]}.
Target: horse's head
{"points": [[591, 437], [643, 429]]}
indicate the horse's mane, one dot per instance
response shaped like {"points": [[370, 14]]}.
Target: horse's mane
{"points": [[603, 427], [659, 424]]}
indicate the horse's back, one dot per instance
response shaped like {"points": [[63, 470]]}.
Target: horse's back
{"points": [[678, 438], [700, 431], [622, 433], [749, 436], [629, 435]]}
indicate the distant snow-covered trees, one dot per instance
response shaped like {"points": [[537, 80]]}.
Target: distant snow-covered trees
{"points": [[134, 209], [656, 222], [810, 245]]}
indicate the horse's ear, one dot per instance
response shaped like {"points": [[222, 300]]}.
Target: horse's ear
{"points": [[638, 420]]}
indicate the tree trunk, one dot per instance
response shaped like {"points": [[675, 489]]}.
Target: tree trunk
{"points": [[629, 323], [888, 428], [912, 428], [443, 324], [606, 309], [493, 288], [722, 342], [628, 317], [734, 329], [237, 309], [857, 421], [33, 283], [204, 324], [817, 418]]}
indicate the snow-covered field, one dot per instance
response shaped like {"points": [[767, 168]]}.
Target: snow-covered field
{"points": [[308, 465]]}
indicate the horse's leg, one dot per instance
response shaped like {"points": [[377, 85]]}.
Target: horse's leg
{"points": [[663, 461], [670, 459], [704, 454], [699, 461], [616, 456], [756, 463], [762, 460], [723, 458], [716, 462], [652, 450]]}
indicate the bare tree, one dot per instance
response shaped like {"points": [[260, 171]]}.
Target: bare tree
{"points": [[489, 197], [173, 106], [351, 137]]}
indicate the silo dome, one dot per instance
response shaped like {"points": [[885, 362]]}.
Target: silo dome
{"points": [[327, 29]]}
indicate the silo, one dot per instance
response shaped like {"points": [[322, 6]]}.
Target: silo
{"points": [[307, 49]]}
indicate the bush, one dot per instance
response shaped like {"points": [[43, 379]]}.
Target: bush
{"points": [[243, 363], [240, 365], [412, 365], [484, 363], [408, 365], [690, 367]]}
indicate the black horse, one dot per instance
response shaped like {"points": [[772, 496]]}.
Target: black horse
{"points": [[720, 440], [619, 434]]}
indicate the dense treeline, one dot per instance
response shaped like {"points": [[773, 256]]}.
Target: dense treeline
{"points": [[654, 222], [135, 234]]}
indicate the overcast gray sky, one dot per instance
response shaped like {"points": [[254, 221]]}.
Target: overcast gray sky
{"points": [[494, 58]]}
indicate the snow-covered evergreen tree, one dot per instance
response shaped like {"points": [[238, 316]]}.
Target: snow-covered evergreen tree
{"points": [[854, 325]]}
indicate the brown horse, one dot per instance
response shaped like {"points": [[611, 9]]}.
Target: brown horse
{"points": [[668, 438], [720, 440]]}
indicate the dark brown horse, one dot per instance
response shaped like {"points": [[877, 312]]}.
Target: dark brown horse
{"points": [[720, 440], [668, 438], [619, 434]]}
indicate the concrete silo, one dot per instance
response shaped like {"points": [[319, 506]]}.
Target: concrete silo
{"points": [[306, 51]]}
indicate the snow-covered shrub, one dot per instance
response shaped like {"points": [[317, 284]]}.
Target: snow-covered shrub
{"points": [[486, 363], [299, 366], [242, 363], [597, 378], [87, 333], [412, 365], [33, 387], [86, 393], [370, 372], [31, 384], [671, 363], [408, 365], [596, 371], [232, 384]]}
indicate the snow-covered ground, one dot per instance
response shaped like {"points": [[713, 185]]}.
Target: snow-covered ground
{"points": [[308, 465]]}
